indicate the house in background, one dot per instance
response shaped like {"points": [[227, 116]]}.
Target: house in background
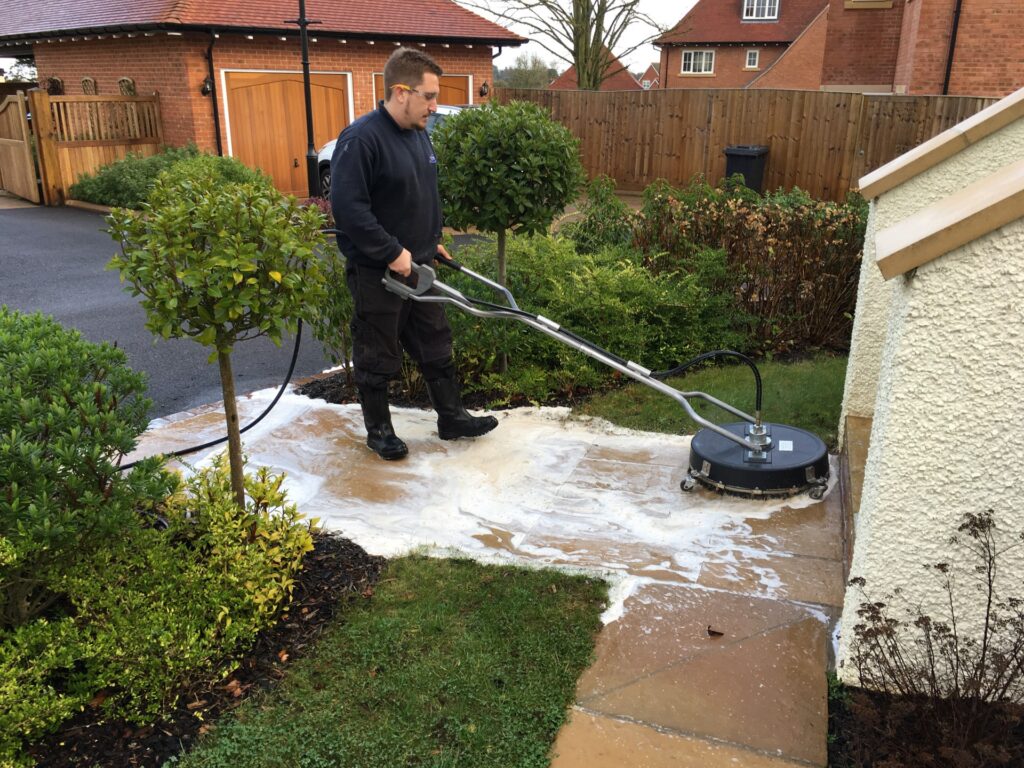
{"points": [[950, 47], [730, 43], [618, 79], [229, 73], [870, 46], [650, 78]]}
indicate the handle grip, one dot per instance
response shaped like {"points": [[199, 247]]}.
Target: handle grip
{"points": [[450, 263]]}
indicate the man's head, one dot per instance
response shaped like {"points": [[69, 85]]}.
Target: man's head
{"points": [[411, 83]]}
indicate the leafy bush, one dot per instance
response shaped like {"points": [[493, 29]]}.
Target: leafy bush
{"points": [[127, 182], [94, 599], [605, 219], [69, 410], [609, 298], [796, 259]]}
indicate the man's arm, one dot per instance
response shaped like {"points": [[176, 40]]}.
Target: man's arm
{"points": [[351, 178]]}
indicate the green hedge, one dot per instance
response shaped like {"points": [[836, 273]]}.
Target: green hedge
{"points": [[126, 183], [795, 260], [607, 297], [92, 595]]}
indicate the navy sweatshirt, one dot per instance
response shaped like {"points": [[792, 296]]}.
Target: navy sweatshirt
{"points": [[384, 191]]}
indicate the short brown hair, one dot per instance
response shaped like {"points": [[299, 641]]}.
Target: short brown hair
{"points": [[406, 66]]}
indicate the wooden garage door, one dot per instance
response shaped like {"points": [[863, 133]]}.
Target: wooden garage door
{"points": [[454, 89], [267, 115]]}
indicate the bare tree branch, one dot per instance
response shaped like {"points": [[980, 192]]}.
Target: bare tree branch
{"points": [[584, 33]]}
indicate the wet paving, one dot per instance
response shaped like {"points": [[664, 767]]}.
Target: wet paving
{"points": [[718, 631]]}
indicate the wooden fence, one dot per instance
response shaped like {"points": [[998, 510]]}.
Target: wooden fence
{"points": [[819, 141], [78, 134]]}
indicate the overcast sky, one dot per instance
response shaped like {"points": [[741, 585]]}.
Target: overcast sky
{"points": [[664, 12]]}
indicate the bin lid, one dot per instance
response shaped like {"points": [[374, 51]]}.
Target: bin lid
{"points": [[746, 150]]}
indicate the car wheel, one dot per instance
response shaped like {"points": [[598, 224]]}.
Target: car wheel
{"points": [[325, 182]]}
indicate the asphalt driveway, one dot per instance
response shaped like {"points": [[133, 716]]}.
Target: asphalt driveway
{"points": [[53, 260]]}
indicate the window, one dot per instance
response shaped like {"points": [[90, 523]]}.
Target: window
{"points": [[126, 86], [698, 62], [753, 58], [646, 84], [760, 9], [89, 86]]}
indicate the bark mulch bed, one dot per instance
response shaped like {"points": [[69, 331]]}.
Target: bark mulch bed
{"points": [[876, 730], [334, 573]]}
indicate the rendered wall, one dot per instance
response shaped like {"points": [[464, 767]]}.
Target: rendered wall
{"points": [[944, 440], [871, 319]]}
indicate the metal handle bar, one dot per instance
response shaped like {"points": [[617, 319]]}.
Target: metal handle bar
{"points": [[427, 280]]}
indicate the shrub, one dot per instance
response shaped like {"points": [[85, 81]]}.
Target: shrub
{"points": [[604, 219], [94, 599], [127, 182], [69, 410], [958, 680], [608, 298], [798, 259]]}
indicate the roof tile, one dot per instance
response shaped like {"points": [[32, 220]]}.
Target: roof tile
{"points": [[721, 21]]}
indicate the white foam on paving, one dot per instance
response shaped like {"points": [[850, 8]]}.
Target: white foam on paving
{"points": [[534, 483]]}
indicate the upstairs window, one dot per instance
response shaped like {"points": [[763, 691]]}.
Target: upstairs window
{"points": [[760, 10], [698, 62]]}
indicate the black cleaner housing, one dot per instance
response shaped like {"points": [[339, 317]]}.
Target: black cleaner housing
{"points": [[796, 461]]}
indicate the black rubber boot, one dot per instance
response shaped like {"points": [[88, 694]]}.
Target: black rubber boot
{"points": [[380, 435], [453, 420]]}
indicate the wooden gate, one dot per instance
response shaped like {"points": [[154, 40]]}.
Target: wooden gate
{"points": [[17, 165], [267, 123], [76, 135]]}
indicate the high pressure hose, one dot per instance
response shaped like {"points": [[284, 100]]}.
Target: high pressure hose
{"points": [[717, 353]]}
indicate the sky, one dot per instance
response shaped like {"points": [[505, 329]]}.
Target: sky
{"points": [[664, 12]]}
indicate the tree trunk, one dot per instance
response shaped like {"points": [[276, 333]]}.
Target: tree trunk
{"points": [[227, 386], [502, 356]]}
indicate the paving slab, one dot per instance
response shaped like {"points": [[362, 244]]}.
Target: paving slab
{"points": [[545, 488]]}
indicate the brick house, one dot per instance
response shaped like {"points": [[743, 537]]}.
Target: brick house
{"points": [[229, 72], [620, 79], [880, 46], [732, 43], [926, 46], [650, 78]]}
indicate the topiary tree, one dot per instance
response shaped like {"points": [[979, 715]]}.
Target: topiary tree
{"points": [[506, 168], [221, 263]]}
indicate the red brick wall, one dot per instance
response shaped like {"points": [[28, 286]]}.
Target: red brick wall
{"points": [[989, 57], [800, 67], [862, 45], [176, 66], [730, 63]]}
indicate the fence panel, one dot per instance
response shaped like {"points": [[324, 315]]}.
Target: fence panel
{"points": [[79, 134], [822, 142]]}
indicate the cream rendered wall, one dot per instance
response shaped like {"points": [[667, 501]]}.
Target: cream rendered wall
{"points": [[871, 320], [947, 402]]}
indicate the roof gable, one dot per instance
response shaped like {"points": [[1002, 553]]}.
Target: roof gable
{"points": [[419, 19], [622, 80], [721, 21]]}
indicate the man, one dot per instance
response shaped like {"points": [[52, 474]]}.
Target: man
{"points": [[386, 205]]}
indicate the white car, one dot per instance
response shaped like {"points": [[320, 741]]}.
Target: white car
{"points": [[323, 158]]}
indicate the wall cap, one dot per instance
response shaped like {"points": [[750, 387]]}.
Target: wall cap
{"points": [[942, 147]]}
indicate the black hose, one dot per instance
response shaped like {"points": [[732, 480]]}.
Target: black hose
{"points": [[707, 356], [250, 425]]}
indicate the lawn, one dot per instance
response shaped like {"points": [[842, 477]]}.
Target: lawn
{"points": [[806, 394], [452, 663]]}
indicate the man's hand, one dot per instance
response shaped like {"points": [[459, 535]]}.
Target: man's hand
{"points": [[403, 264], [443, 252]]}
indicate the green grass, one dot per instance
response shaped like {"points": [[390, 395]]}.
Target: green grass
{"points": [[806, 394], [451, 663]]}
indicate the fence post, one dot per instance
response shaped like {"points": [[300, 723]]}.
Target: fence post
{"points": [[49, 165]]}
